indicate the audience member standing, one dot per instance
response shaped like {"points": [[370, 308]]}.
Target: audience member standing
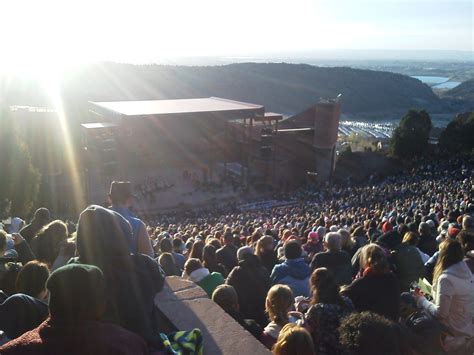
{"points": [[121, 198]]}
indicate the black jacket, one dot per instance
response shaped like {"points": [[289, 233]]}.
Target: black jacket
{"points": [[227, 256], [251, 282], [338, 262], [248, 324], [428, 244], [21, 313], [268, 259], [29, 231], [378, 293]]}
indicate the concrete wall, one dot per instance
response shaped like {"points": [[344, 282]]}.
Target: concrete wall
{"points": [[187, 306]]}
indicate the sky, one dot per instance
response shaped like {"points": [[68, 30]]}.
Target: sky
{"points": [[47, 32]]}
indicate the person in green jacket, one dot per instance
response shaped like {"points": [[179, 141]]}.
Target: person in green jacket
{"points": [[194, 271]]}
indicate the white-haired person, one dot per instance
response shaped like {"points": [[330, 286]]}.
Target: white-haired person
{"points": [[334, 259]]}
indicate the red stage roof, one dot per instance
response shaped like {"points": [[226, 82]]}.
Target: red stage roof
{"points": [[177, 107]]}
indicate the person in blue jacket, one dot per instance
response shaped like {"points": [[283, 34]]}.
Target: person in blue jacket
{"points": [[293, 272]]}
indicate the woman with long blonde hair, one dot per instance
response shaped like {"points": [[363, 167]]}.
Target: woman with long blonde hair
{"points": [[453, 295], [278, 304], [293, 340]]}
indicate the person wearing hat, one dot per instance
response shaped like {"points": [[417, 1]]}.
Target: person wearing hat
{"points": [[77, 303], [41, 218], [121, 197]]}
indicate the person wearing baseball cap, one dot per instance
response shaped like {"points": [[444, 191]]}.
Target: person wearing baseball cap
{"points": [[121, 197]]}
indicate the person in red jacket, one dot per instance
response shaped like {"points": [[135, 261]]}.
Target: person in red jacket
{"points": [[76, 305]]}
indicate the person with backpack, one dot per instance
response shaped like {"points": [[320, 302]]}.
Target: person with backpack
{"points": [[121, 197]]}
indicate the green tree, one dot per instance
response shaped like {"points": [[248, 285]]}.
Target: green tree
{"points": [[410, 138], [19, 179], [346, 152], [458, 136]]}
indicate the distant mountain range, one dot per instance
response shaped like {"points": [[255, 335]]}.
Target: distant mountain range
{"points": [[283, 88], [464, 91]]}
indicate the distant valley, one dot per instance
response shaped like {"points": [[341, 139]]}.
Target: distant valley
{"points": [[283, 88]]}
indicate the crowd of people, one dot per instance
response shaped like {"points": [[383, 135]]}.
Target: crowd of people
{"points": [[151, 187], [378, 268]]}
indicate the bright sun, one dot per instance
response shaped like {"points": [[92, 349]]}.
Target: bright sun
{"points": [[49, 35]]}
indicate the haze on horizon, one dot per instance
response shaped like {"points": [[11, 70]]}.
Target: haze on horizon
{"points": [[57, 33]]}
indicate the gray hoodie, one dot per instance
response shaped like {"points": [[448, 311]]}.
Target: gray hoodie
{"points": [[453, 303]]}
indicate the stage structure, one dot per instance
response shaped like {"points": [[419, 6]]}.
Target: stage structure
{"points": [[217, 138], [128, 136]]}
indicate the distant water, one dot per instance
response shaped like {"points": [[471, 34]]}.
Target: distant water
{"points": [[437, 82]]}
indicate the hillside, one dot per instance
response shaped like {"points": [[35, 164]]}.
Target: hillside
{"points": [[284, 88], [464, 91]]}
